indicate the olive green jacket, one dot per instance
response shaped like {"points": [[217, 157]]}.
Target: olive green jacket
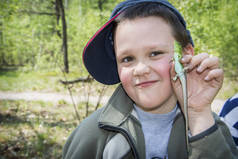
{"points": [[114, 132]]}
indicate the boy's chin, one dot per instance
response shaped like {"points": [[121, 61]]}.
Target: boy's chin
{"points": [[157, 105], [149, 107]]}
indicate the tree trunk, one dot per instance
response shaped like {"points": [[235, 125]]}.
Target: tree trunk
{"points": [[59, 3]]}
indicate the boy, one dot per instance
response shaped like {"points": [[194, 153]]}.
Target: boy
{"points": [[143, 118]]}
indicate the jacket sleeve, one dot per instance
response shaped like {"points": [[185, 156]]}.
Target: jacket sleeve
{"points": [[86, 141], [215, 142]]}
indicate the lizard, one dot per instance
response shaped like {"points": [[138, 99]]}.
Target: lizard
{"points": [[181, 74]]}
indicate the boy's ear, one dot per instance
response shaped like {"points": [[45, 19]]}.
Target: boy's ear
{"points": [[188, 50]]}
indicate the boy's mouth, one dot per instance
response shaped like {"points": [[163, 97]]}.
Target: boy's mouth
{"points": [[146, 83]]}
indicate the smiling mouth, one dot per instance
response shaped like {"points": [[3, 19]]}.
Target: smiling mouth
{"points": [[146, 84]]}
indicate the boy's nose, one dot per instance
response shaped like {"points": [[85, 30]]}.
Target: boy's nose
{"points": [[141, 69]]}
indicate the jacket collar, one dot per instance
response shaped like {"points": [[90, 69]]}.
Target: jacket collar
{"points": [[118, 108]]}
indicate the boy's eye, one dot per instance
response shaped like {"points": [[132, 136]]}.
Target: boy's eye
{"points": [[127, 59], [155, 53]]}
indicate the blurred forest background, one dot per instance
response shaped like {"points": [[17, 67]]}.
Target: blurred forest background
{"points": [[41, 44]]}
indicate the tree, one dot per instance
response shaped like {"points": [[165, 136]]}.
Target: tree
{"points": [[60, 8]]}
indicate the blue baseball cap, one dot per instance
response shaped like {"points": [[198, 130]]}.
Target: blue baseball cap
{"points": [[99, 56]]}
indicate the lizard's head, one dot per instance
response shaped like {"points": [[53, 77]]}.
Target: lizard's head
{"points": [[177, 50], [177, 56]]}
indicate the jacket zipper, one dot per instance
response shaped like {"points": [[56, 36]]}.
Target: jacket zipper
{"points": [[125, 134]]}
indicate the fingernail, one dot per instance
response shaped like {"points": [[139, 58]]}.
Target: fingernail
{"points": [[183, 59], [206, 78], [199, 69], [189, 67]]}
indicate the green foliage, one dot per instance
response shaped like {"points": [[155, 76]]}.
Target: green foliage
{"points": [[26, 35], [31, 39], [214, 27]]}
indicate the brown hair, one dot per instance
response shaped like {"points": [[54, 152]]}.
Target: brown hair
{"points": [[154, 9]]}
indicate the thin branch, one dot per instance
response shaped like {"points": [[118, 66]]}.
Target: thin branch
{"points": [[75, 108], [87, 102], [38, 13], [83, 79], [101, 94], [70, 93]]}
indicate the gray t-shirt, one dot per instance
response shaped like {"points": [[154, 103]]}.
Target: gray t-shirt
{"points": [[156, 128]]}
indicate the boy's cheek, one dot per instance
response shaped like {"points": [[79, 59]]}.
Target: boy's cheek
{"points": [[163, 67], [124, 76]]}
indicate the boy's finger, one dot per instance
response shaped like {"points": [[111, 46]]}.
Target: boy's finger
{"points": [[186, 59], [212, 63], [216, 74], [196, 60]]}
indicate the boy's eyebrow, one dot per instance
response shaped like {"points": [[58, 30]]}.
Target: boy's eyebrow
{"points": [[123, 54], [153, 47], [159, 47]]}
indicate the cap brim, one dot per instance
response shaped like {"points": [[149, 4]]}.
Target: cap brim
{"points": [[96, 59]]}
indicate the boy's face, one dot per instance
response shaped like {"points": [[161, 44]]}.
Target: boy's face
{"points": [[144, 48]]}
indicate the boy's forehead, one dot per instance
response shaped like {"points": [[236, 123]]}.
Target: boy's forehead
{"points": [[149, 47], [153, 31], [144, 24]]}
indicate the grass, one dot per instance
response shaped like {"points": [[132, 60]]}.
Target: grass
{"points": [[32, 81], [35, 129], [43, 81]]}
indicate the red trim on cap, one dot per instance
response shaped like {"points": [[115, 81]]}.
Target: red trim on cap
{"points": [[105, 25]]}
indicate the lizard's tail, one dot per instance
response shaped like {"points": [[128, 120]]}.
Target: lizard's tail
{"points": [[185, 102]]}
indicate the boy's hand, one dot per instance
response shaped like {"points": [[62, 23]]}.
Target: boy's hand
{"points": [[204, 79]]}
